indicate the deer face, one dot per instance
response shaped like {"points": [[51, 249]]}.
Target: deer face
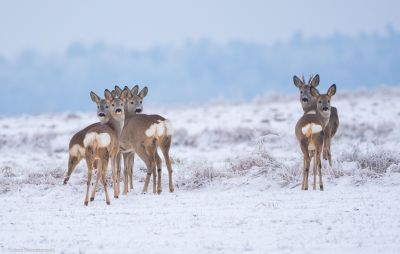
{"points": [[306, 99], [140, 97], [132, 102], [324, 100], [103, 112], [116, 104]]}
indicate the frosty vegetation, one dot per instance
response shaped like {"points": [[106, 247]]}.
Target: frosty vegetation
{"points": [[217, 143]]}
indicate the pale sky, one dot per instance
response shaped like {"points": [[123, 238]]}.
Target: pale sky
{"points": [[51, 26]]}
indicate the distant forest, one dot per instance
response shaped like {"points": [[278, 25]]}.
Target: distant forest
{"points": [[197, 71]]}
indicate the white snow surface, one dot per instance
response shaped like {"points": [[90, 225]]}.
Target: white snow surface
{"points": [[237, 172]]}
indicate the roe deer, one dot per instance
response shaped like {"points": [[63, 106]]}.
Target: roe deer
{"points": [[100, 142], [143, 134], [133, 106], [308, 103], [310, 134], [76, 147]]}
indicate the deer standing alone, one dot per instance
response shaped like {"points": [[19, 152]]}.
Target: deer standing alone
{"points": [[308, 103], [310, 134]]}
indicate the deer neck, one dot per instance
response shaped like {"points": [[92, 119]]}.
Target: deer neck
{"points": [[116, 125], [129, 114], [309, 108], [324, 118]]}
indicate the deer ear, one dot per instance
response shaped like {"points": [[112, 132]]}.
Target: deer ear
{"points": [[314, 92], [118, 90], [95, 98], [297, 82], [135, 90], [143, 93], [124, 94], [332, 90], [315, 81], [108, 95]]}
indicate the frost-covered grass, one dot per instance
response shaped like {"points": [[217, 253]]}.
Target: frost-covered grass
{"points": [[226, 158]]}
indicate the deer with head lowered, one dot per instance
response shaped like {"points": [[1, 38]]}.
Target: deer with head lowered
{"points": [[310, 134], [143, 134], [308, 103]]}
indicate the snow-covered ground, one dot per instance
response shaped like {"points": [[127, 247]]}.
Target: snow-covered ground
{"points": [[237, 170]]}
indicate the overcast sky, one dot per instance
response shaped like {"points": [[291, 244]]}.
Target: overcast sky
{"points": [[51, 26]]}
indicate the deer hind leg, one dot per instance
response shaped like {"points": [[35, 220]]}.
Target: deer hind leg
{"points": [[119, 157], [114, 176], [306, 164], [327, 147], [159, 172], [165, 150], [145, 158], [130, 172], [103, 173], [89, 178], [72, 162], [98, 174], [319, 166], [151, 151], [315, 170], [126, 177]]}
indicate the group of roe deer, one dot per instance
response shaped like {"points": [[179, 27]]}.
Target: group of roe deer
{"points": [[315, 129], [122, 130]]}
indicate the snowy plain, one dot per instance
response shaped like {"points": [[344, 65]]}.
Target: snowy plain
{"points": [[237, 170]]}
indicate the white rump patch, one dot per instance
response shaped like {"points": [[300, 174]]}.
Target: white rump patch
{"points": [[76, 150], [311, 112], [159, 129], [151, 131], [89, 139], [169, 128], [311, 128], [102, 139]]}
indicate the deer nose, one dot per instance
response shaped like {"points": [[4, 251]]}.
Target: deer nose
{"points": [[325, 108], [118, 110], [138, 110], [102, 115], [304, 99]]}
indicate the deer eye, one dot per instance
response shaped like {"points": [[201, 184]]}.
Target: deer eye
{"points": [[106, 106], [301, 92], [319, 101], [329, 101], [113, 104], [131, 102], [98, 106], [140, 102]]}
